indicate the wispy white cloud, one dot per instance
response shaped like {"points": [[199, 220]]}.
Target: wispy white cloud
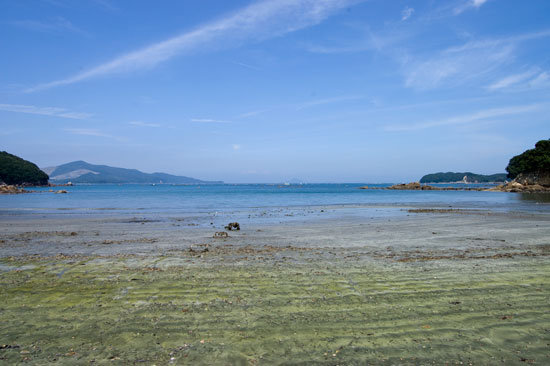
{"points": [[469, 118], [468, 4], [542, 79], [144, 124], [246, 66], [339, 99], [89, 132], [208, 120], [363, 39], [259, 21], [511, 80], [236, 147], [478, 3], [533, 79], [106, 5], [44, 111], [458, 65], [407, 13], [253, 113], [58, 24]]}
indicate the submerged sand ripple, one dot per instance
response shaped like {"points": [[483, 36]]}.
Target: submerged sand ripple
{"points": [[435, 288]]}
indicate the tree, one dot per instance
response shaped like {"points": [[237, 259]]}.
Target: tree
{"points": [[533, 161]]}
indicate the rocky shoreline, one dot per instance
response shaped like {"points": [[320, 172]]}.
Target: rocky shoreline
{"points": [[514, 187], [9, 189], [517, 187], [416, 186]]}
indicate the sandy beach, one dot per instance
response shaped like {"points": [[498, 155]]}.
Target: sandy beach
{"points": [[428, 286]]}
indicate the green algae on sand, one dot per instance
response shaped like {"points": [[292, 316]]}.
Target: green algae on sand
{"points": [[163, 310]]}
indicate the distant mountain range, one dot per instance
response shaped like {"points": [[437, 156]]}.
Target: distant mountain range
{"points": [[83, 172], [467, 177]]}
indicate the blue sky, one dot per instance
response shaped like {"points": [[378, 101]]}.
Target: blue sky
{"points": [[268, 91]]}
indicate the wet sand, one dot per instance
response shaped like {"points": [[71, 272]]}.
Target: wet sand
{"points": [[423, 287]]}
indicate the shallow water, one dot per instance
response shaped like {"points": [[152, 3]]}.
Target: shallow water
{"points": [[257, 200]]}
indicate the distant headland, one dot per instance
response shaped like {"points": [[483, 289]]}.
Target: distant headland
{"points": [[467, 177], [83, 172], [529, 172]]}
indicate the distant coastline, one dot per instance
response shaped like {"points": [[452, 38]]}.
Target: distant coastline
{"points": [[466, 177], [83, 172]]}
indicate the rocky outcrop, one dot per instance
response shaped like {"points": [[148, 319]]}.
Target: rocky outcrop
{"points": [[416, 186], [522, 184], [526, 183], [9, 189], [542, 179], [515, 186]]}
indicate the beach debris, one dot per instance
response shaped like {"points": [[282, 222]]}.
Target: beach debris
{"points": [[233, 226], [10, 346], [221, 234]]}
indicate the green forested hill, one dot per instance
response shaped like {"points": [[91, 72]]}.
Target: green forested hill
{"points": [[532, 161], [14, 170]]}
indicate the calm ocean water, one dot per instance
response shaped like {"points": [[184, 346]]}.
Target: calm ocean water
{"points": [[251, 199]]}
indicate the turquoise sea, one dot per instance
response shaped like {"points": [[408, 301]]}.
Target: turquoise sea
{"points": [[264, 202]]}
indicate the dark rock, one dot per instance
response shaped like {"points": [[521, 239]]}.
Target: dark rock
{"points": [[233, 226]]}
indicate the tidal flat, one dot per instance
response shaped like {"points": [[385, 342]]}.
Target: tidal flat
{"points": [[442, 288]]}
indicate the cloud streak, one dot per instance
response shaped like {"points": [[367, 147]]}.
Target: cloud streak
{"points": [[259, 21], [89, 132], [469, 4], [58, 24], [144, 124], [318, 102], [407, 13], [466, 119], [44, 111], [208, 120], [511, 80], [457, 65], [460, 64]]}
